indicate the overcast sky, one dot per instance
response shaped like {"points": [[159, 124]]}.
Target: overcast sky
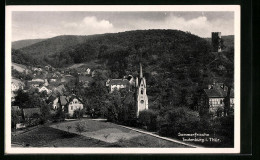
{"points": [[34, 25]]}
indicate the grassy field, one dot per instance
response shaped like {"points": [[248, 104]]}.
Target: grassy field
{"points": [[95, 134], [115, 135]]}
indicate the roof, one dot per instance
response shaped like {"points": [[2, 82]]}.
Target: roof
{"points": [[17, 82], [63, 100], [119, 82], [29, 112], [15, 108], [38, 80], [212, 93], [60, 89], [34, 82], [73, 97], [85, 78], [219, 90]]}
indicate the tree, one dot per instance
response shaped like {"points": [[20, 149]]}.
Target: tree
{"points": [[68, 127], [15, 117], [148, 118], [80, 127], [177, 120], [78, 113]]}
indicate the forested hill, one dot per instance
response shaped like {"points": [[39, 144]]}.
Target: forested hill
{"points": [[77, 49], [24, 43]]}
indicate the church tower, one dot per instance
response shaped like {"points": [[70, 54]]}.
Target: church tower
{"points": [[142, 99]]}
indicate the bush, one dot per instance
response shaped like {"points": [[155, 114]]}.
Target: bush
{"points": [[78, 113], [80, 127], [177, 120], [148, 118]]}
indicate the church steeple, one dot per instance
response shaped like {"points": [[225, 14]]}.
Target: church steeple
{"points": [[141, 71]]}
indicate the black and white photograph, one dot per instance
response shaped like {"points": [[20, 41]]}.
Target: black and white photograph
{"points": [[122, 79]]}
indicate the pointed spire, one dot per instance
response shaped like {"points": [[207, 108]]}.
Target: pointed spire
{"points": [[141, 71]]}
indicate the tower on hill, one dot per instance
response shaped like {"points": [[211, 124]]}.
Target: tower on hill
{"points": [[216, 41]]}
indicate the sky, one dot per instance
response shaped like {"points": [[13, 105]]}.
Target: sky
{"points": [[47, 24]]}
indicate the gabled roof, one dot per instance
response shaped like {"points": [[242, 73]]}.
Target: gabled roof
{"points": [[63, 100], [73, 97], [119, 82], [29, 112], [219, 90], [15, 108], [213, 93]]}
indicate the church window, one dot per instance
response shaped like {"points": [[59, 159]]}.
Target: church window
{"points": [[142, 101], [142, 91]]}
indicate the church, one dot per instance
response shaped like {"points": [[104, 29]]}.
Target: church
{"points": [[141, 96], [137, 91]]}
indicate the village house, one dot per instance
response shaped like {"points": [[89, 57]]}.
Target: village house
{"points": [[85, 80], [35, 83], [16, 84], [55, 103], [73, 104], [68, 104], [117, 84], [43, 88], [213, 99], [67, 78], [88, 71]]}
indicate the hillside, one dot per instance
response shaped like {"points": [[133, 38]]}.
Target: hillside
{"points": [[52, 45], [25, 43]]}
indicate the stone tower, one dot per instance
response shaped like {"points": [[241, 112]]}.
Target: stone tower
{"points": [[216, 41], [142, 99]]}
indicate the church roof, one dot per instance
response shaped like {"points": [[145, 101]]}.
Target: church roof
{"points": [[119, 82]]}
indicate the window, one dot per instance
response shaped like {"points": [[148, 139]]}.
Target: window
{"points": [[142, 101], [142, 91], [71, 107]]}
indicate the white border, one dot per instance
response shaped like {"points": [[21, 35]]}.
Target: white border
{"points": [[10, 150]]}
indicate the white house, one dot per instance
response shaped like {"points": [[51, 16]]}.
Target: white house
{"points": [[74, 104], [43, 88], [16, 84], [55, 103], [88, 71], [68, 104], [118, 84]]}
